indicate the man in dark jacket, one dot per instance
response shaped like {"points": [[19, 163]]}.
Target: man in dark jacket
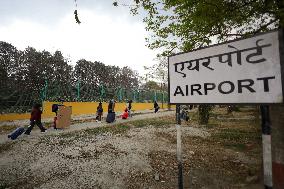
{"points": [[35, 119]]}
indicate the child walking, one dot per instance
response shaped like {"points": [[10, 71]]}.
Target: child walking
{"points": [[100, 111]]}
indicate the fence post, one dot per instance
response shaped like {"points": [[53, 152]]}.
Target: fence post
{"points": [[78, 90], [163, 99], [155, 95], [45, 89], [44, 92], [102, 91]]}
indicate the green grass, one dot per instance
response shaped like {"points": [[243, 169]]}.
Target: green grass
{"points": [[122, 127], [237, 146], [236, 134], [236, 138], [157, 122]]}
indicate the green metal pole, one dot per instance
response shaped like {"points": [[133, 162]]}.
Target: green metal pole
{"points": [[134, 95], [78, 90], [102, 92], [45, 89], [44, 92], [120, 94], [162, 99]]}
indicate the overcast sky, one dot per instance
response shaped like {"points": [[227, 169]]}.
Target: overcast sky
{"points": [[108, 34]]}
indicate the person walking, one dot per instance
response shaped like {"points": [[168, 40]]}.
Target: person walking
{"points": [[129, 108], [111, 113], [35, 119], [111, 106], [156, 106], [100, 111]]}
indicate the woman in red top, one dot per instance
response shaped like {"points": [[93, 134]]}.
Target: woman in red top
{"points": [[125, 114], [35, 119]]}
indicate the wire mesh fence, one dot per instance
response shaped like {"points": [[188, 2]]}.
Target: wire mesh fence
{"points": [[21, 101]]}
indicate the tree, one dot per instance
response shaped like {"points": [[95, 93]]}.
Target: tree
{"points": [[128, 78], [158, 71], [182, 25], [8, 61], [151, 85], [188, 24], [93, 74]]}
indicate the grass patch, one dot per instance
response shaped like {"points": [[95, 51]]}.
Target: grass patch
{"points": [[237, 146], [236, 134], [237, 138], [157, 122], [6, 146], [211, 125]]}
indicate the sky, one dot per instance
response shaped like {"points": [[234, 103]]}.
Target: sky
{"points": [[107, 34]]}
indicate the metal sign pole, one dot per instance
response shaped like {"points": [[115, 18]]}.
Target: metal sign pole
{"points": [[266, 146], [179, 154]]}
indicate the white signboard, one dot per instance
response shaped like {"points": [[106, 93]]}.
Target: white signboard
{"points": [[240, 71]]}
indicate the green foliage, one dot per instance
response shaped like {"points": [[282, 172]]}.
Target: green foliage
{"points": [[188, 24], [151, 85], [183, 25]]}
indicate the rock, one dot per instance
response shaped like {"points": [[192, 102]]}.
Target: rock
{"points": [[157, 177], [251, 179], [191, 152]]}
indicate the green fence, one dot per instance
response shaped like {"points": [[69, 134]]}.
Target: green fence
{"points": [[21, 101]]}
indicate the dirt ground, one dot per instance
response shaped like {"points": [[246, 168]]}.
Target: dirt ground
{"points": [[139, 153]]}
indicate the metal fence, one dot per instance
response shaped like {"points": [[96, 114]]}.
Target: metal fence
{"points": [[21, 101]]}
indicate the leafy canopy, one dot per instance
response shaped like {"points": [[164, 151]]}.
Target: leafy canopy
{"points": [[188, 24]]}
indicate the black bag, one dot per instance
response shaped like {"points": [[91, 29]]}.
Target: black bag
{"points": [[17, 132], [110, 117], [54, 107]]}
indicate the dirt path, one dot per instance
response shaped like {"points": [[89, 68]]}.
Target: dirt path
{"points": [[86, 123]]}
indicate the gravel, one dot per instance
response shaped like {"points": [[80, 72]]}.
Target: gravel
{"points": [[105, 160]]}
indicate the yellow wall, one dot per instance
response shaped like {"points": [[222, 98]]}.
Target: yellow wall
{"points": [[79, 108]]}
